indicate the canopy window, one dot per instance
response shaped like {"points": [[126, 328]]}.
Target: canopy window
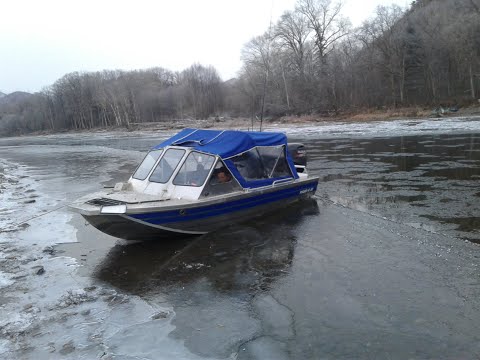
{"points": [[221, 182], [263, 162]]}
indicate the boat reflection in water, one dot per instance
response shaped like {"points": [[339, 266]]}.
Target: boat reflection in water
{"points": [[241, 258]]}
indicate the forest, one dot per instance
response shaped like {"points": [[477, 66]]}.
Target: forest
{"points": [[311, 61]]}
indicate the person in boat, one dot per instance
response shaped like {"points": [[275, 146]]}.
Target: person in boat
{"points": [[223, 176]]}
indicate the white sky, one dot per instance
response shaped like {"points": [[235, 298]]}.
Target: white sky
{"points": [[42, 40]]}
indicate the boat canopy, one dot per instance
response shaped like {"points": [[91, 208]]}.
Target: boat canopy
{"points": [[243, 152], [225, 143]]}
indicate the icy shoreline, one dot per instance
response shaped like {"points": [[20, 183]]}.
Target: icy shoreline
{"points": [[385, 128], [327, 129], [48, 310]]}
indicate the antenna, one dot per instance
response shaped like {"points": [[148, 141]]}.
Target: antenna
{"points": [[267, 65]]}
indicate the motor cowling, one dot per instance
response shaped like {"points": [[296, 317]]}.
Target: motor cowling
{"points": [[298, 152]]}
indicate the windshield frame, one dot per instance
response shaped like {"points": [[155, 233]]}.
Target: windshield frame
{"points": [[161, 151], [205, 175], [173, 170]]}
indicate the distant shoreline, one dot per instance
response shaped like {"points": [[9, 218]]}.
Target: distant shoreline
{"points": [[360, 116]]}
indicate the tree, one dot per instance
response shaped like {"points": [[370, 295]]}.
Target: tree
{"points": [[328, 27], [383, 36], [202, 90], [256, 56], [292, 32], [325, 21]]}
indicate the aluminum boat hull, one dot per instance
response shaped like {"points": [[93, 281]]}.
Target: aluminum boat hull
{"points": [[198, 218]]}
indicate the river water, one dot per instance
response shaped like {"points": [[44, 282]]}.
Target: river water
{"points": [[382, 263], [426, 181]]}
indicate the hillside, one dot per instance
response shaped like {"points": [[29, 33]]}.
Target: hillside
{"points": [[13, 99]]}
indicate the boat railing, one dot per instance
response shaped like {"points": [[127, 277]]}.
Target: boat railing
{"points": [[281, 181], [275, 183]]}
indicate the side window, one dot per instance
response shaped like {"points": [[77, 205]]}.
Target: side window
{"points": [[220, 175], [269, 156], [194, 170], [275, 161], [263, 162], [144, 169], [250, 165], [167, 165], [221, 182]]}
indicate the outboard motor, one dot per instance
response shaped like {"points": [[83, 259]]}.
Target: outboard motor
{"points": [[298, 152]]}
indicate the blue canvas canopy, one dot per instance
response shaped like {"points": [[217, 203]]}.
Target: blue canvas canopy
{"points": [[229, 143], [225, 143]]}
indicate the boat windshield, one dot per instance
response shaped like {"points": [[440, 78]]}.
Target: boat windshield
{"points": [[167, 165], [147, 164], [194, 170]]}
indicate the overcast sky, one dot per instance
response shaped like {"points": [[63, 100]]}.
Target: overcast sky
{"points": [[42, 40]]}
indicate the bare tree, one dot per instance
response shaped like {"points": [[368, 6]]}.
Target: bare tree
{"points": [[256, 54], [292, 31], [383, 36], [202, 90], [325, 21]]}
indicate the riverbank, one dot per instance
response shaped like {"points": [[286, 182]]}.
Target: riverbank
{"points": [[385, 114], [241, 123], [351, 116]]}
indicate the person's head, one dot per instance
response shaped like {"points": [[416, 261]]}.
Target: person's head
{"points": [[223, 176]]}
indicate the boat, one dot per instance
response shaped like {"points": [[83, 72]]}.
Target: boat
{"points": [[201, 180]]}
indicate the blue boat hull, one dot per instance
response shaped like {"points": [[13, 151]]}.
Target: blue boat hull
{"points": [[198, 220]]}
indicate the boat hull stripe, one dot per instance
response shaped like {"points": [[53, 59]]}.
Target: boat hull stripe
{"points": [[196, 213]]}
